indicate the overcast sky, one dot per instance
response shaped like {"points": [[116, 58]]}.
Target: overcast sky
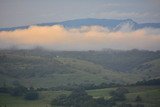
{"points": [[27, 12]]}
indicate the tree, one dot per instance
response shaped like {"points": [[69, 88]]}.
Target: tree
{"points": [[80, 98], [139, 105], [32, 95], [119, 94], [19, 90], [60, 100], [138, 98], [77, 98], [101, 101], [125, 105]]}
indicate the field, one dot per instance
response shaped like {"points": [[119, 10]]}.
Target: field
{"points": [[150, 97]]}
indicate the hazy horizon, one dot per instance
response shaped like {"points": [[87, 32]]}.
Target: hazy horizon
{"points": [[57, 37]]}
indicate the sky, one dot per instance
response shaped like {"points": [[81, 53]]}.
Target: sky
{"points": [[28, 12]]}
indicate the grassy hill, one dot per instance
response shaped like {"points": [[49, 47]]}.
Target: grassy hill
{"points": [[41, 68], [117, 60], [41, 71], [149, 69]]}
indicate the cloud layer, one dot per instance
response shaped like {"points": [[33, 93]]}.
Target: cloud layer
{"points": [[85, 38]]}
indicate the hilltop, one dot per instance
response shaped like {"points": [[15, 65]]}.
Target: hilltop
{"points": [[112, 24]]}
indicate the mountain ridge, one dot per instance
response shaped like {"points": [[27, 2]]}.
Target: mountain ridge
{"points": [[112, 24]]}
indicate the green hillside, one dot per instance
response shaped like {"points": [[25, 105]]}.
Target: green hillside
{"points": [[149, 69], [41, 68], [48, 72], [117, 60]]}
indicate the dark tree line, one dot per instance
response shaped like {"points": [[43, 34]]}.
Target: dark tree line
{"points": [[88, 86], [19, 90], [79, 98], [119, 94], [149, 82]]}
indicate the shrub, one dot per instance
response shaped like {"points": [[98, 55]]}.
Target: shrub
{"points": [[119, 94], [32, 95], [125, 105], [138, 99]]}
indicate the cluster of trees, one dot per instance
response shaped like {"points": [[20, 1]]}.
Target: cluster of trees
{"points": [[31, 95], [119, 94], [88, 86], [130, 105], [79, 98], [138, 103], [149, 82], [19, 90]]}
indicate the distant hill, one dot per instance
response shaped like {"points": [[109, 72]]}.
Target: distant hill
{"points": [[117, 60], [149, 69], [112, 24], [43, 68]]}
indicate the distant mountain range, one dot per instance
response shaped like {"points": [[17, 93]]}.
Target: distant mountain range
{"points": [[112, 24]]}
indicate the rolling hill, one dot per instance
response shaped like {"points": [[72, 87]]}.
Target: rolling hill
{"points": [[41, 68], [149, 69]]}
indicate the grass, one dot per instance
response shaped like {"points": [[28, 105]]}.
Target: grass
{"points": [[101, 92]]}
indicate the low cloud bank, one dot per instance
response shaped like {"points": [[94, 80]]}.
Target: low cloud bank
{"points": [[85, 38]]}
